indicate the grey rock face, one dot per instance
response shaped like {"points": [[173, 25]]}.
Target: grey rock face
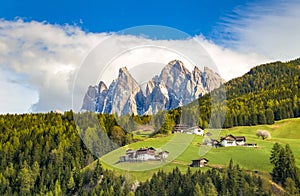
{"points": [[174, 87]]}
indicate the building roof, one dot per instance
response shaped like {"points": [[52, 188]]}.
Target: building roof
{"points": [[200, 159], [228, 137], [231, 138], [240, 138], [150, 150]]}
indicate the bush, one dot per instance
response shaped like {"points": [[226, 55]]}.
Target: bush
{"points": [[264, 134]]}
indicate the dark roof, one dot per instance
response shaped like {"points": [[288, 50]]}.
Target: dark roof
{"points": [[240, 138], [151, 148], [231, 137], [200, 159], [142, 149], [145, 151]]}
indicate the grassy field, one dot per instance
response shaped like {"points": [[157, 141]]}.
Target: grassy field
{"points": [[175, 144], [183, 148]]}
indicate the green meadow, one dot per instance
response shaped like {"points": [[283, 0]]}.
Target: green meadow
{"points": [[184, 148]]}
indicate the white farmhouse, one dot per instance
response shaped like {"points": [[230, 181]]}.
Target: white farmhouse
{"points": [[145, 154], [230, 140]]}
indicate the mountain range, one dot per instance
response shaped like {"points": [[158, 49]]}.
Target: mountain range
{"points": [[175, 86]]}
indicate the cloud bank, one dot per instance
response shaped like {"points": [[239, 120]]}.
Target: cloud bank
{"points": [[39, 61]]}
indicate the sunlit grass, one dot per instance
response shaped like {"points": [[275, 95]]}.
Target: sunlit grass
{"points": [[255, 159]]}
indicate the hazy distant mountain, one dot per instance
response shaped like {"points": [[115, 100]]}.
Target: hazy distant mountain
{"points": [[173, 87]]}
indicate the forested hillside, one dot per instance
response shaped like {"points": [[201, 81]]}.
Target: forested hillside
{"points": [[266, 93], [43, 153]]}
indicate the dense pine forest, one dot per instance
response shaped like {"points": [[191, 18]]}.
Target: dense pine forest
{"points": [[43, 154], [266, 93]]}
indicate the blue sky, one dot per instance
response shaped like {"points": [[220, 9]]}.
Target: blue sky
{"points": [[43, 44], [193, 17]]}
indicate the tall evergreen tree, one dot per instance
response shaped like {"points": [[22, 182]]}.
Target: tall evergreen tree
{"points": [[197, 190]]}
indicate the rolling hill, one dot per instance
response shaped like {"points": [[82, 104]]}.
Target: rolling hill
{"points": [[255, 159]]}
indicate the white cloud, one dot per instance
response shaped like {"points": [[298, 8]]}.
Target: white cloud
{"points": [[271, 29], [48, 56]]}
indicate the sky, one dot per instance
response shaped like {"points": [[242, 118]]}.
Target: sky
{"points": [[47, 45], [193, 17]]}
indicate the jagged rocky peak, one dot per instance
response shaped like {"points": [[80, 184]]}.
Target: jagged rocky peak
{"points": [[90, 99], [173, 68], [173, 87], [196, 73], [123, 70], [177, 64], [149, 87], [125, 79], [102, 87]]}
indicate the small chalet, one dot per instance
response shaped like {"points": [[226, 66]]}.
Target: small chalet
{"points": [[199, 162], [183, 128], [143, 154], [230, 140], [164, 154], [197, 131]]}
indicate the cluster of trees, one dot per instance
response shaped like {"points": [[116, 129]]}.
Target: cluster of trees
{"points": [[285, 171], [101, 133], [232, 181]]}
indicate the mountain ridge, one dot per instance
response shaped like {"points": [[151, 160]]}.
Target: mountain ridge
{"points": [[175, 86]]}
